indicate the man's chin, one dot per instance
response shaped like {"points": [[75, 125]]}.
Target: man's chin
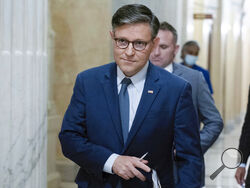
{"points": [[157, 63]]}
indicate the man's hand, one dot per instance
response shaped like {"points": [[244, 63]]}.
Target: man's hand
{"points": [[125, 167], [240, 174]]}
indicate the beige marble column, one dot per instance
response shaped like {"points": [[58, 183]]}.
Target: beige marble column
{"points": [[54, 119], [245, 40], [81, 40], [23, 93]]}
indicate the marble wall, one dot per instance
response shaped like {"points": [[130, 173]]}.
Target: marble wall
{"points": [[245, 52], [235, 79], [78, 39], [227, 46], [81, 40], [23, 93]]}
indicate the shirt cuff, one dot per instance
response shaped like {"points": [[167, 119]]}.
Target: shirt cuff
{"points": [[243, 165], [109, 163]]}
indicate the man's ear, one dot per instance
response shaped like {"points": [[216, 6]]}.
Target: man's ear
{"points": [[176, 49], [156, 41], [112, 34]]}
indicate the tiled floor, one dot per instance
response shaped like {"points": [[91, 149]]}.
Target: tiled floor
{"points": [[228, 138]]}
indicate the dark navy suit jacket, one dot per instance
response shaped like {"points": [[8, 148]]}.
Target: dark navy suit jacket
{"points": [[244, 145], [91, 129]]}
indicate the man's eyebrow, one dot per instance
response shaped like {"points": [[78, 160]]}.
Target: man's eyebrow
{"points": [[116, 37], [124, 38]]}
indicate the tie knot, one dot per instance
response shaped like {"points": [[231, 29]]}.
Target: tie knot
{"points": [[126, 81]]}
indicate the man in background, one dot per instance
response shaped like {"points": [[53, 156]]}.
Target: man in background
{"points": [[244, 147], [163, 55], [124, 117], [189, 55]]}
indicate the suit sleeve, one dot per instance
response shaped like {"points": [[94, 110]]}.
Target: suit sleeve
{"points": [[74, 139], [208, 114], [244, 145], [187, 142]]}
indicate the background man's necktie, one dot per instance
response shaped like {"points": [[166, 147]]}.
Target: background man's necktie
{"points": [[124, 107]]}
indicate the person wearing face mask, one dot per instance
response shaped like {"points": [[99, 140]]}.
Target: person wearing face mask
{"points": [[189, 54]]}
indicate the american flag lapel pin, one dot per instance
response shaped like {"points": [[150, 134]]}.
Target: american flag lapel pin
{"points": [[150, 91]]}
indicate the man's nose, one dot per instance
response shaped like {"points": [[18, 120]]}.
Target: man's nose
{"points": [[156, 51], [130, 50]]}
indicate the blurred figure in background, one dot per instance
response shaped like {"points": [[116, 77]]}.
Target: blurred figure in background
{"points": [[244, 147], [163, 55], [189, 55]]}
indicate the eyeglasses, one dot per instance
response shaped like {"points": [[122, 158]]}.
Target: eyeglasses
{"points": [[137, 45]]}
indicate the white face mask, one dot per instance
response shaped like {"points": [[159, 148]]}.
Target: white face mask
{"points": [[190, 59]]}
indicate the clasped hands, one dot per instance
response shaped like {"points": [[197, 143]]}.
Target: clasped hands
{"points": [[125, 167]]}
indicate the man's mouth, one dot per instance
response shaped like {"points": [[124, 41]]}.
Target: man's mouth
{"points": [[128, 60], [155, 59]]}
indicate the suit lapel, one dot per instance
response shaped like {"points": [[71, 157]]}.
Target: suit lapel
{"points": [[149, 94], [111, 94]]}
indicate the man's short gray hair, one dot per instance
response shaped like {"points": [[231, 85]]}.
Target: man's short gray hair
{"points": [[136, 13], [165, 26]]}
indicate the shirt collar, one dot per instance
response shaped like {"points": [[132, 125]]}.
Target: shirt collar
{"points": [[169, 68], [137, 80]]}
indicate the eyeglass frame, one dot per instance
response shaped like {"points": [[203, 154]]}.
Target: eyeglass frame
{"points": [[133, 43]]}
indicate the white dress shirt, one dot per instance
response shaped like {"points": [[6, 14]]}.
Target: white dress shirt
{"points": [[169, 68]]}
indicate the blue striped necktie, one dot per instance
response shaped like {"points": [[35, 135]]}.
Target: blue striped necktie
{"points": [[124, 107]]}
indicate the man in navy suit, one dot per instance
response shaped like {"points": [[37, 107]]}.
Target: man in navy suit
{"points": [[122, 111], [163, 55]]}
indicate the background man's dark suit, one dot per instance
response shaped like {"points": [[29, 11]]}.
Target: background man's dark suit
{"points": [[244, 145], [91, 129]]}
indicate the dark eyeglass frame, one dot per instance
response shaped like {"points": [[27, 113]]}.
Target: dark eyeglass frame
{"points": [[145, 43]]}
